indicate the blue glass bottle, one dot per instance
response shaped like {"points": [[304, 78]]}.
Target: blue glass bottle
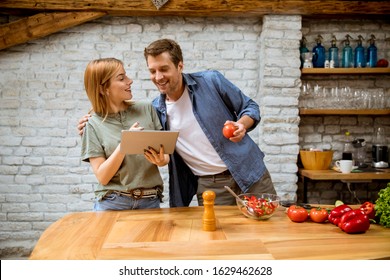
{"points": [[359, 58], [302, 50], [319, 54], [347, 57], [372, 53], [334, 53]]}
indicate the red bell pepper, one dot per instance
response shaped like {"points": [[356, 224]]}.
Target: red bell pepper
{"points": [[369, 209], [337, 212], [355, 221]]}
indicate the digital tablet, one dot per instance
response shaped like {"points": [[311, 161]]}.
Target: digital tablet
{"points": [[135, 142]]}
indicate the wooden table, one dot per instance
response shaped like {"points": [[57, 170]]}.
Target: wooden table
{"points": [[383, 174], [176, 233]]}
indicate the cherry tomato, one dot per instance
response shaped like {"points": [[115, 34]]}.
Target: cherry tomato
{"points": [[368, 209], [297, 214], [318, 215], [228, 130], [261, 206]]}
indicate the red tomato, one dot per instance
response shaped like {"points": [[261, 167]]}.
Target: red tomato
{"points": [[382, 63], [297, 214], [318, 215], [228, 130], [369, 209]]}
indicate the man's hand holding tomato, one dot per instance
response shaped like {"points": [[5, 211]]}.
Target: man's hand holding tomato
{"points": [[229, 129], [241, 126]]}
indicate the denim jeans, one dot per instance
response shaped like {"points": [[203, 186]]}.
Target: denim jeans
{"points": [[119, 202]]}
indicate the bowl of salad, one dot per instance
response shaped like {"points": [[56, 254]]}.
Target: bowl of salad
{"points": [[258, 206]]}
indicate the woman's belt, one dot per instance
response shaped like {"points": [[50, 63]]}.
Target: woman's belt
{"points": [[140, 193]]}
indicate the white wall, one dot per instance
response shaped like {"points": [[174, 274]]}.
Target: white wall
{"points": [[42, 98]]}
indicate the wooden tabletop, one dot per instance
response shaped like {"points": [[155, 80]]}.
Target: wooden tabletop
{"points": [[384, 174], [176, 233]]}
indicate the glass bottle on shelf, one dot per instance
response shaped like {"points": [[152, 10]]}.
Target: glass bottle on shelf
{"points": [[347, 57], [372, 52], [319, 54], [303, 50], [333, 53], [348, 147], [359, 58]]}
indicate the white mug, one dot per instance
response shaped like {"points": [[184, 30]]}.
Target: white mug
{"points": [[345, 166]]}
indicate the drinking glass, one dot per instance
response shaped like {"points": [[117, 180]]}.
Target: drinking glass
{"points": [[381, 99], [317, 94], [366, 99], [335, 98], [374, 99], [346, 97], [357, 94], [306, 95]]}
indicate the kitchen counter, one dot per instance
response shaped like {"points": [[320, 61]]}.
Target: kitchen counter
{"points": [[176, 233], [380, 174], [332, 175]]}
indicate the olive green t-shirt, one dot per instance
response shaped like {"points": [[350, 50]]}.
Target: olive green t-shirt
{"points": [[101, 138]]}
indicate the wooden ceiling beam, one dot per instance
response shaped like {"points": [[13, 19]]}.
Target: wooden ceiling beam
{"points": [[190, 8], [45, 17], [41, 25]]}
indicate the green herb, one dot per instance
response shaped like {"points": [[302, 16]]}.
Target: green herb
{"points": [[382, 206]]}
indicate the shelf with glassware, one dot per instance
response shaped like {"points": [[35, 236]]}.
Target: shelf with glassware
{"points": [[345, 71], [324, 100]]}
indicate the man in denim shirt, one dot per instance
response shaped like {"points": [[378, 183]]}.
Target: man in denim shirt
{"points": [[198, 105]]}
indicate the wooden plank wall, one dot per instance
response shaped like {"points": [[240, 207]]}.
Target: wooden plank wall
{"points": [[50, 16]]}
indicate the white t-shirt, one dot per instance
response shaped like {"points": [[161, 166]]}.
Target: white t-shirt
{"points": [[192, 144]]}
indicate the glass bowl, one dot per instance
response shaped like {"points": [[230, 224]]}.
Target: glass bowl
{"points": [[264, 205]]}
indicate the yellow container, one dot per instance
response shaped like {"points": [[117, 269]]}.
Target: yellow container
{"points": [[316, 160]]}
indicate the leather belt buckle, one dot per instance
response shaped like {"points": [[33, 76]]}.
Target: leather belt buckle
{"points": [[140, 193], [137, 193]]}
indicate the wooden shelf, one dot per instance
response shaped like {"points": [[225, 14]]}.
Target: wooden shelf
{"points": [[345, 71], [304, 111], [382, 174]]}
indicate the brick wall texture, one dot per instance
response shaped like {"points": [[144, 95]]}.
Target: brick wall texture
{"points": [[41, 90]]}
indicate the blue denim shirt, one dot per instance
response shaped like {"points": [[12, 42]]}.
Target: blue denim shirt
{"points": [[215, 100]]}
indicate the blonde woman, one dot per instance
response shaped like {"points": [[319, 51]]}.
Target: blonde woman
{"points": [[124, 181]]}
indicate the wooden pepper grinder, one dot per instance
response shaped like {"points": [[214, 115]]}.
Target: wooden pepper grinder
{"points": [[209, 223]]}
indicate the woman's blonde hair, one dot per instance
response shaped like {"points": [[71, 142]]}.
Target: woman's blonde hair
{"points": [[97, 77]]}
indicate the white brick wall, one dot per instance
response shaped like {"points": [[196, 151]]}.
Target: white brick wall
{"points": [[279, 85], [42, 98]]}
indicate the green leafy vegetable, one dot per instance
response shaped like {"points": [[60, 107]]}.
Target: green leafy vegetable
{"points": [[382, 206]]}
